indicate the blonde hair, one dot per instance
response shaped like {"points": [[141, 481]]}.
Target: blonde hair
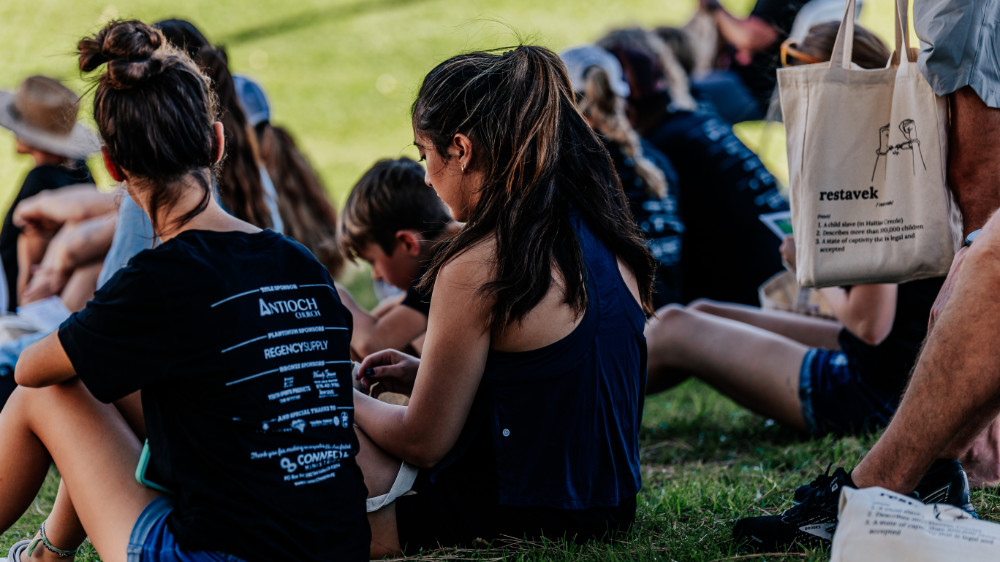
{"points": [[605, 111]]}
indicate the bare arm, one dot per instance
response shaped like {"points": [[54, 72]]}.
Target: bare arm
{"points": [[449, 372], [52, 208], [867, 311], [73, 246], [43, 363], [393, 329]]}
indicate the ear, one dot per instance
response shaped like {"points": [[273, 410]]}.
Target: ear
{"points": [[113, 169], [220, 141], [461, 147], [410, 240]]}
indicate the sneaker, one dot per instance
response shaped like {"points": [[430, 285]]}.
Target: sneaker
{"points": [[813, 520], [809, 523], [945, 482]]}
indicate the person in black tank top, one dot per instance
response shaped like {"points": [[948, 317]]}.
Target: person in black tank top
{"points": [[542, 293]]}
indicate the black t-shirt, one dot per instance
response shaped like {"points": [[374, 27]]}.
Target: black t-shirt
{"points": [[658, 217], [887, 365], [760, 76], [40, 178], [240, 346], [723, 188]]}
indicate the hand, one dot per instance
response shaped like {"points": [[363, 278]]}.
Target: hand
{"points": [[394, 371], [787, 250], [945, 293], [45, 282]]}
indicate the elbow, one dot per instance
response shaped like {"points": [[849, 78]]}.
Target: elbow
{"points": [[872, 335], [425, 456]]}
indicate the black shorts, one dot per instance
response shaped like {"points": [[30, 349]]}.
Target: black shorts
{"points": [[460, 510]]}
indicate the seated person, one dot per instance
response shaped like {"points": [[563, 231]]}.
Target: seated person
{"points": [[647, 176], [42, 116], [248, 425], [722, 188], [525, 406], [393, 221], [808, 373]]}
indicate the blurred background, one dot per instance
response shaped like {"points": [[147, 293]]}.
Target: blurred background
{"points": [[341, 74]]}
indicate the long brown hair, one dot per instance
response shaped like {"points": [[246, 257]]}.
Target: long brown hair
{"points": [[539, 159], [240, 187], [305, 210], [154, 110]]}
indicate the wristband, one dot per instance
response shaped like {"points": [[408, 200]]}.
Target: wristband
{"points": [[972, 236]]}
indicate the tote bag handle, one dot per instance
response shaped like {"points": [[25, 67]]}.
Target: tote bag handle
{"points": [[843, 47]]}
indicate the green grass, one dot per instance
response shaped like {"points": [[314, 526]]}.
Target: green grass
{"points": [[341, 75], [705, 461]]}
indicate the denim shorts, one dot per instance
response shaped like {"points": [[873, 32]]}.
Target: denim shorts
{"points": [[836, 399], [152, 541]]}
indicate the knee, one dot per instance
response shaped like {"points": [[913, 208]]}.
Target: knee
{"points": [[663, 324], [703, 305]]}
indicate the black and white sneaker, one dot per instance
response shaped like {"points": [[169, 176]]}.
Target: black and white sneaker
{"points": [[812, 521], [809, 523]]}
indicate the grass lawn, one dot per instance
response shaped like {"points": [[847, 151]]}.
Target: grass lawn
{"points": [[706, 462], [342, 75]]}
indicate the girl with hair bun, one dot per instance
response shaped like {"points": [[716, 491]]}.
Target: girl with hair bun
{"points": [[525, 405], [232, 337]]}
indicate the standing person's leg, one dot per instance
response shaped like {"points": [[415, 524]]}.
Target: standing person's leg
{"points": [[94, 449], [973, 160], [954, 392], [754, 367]]}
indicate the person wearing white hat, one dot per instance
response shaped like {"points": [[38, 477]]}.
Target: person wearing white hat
{"points": [[42, 116]]}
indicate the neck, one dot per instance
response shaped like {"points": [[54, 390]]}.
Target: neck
{"points": [[168, 216]]}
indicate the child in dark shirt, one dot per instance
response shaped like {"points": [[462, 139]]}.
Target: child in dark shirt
{"points": [[42, 115], [393, 220], [232, 337]]}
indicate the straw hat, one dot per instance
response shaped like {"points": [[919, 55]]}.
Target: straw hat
{"points": [[42, 113]]}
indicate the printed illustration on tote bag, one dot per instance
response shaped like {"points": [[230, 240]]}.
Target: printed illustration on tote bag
{"points": [[909, 129]]}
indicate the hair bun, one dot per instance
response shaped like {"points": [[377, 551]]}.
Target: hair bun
{"points": [[129, 48]]}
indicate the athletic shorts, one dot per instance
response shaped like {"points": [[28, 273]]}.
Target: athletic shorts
{"points": [[152, 541], [446, 515], [835, 399]]}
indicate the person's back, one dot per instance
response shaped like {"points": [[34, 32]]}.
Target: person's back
{"points": [[240, 346]]}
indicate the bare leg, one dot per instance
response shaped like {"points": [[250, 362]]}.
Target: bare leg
{"points": [[807, 330], [954, 393], [380, 471], [757, 368], [62, 526], [973, 162], [94, 449], [81, 286]]}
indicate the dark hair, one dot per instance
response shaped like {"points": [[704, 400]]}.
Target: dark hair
{"points": [[305, 210], [538, 159], [650, 64], [680, 43], [154, 110], [183, 35], [240, 188], [391, 196], [868, 51]]}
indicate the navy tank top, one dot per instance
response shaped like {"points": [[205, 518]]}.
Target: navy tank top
{"points": [[561, 422]]}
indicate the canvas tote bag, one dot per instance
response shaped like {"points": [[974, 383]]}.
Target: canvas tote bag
{"points": [[876, 524], [866, 156]]}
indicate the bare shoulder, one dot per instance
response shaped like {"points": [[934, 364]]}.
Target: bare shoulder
{"points": [[470, 269]]}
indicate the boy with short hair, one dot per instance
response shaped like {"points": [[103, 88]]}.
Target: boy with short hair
{"points": [[393, 221]]}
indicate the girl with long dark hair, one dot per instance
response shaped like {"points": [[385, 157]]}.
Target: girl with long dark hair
{"points": [[525, 405]]}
